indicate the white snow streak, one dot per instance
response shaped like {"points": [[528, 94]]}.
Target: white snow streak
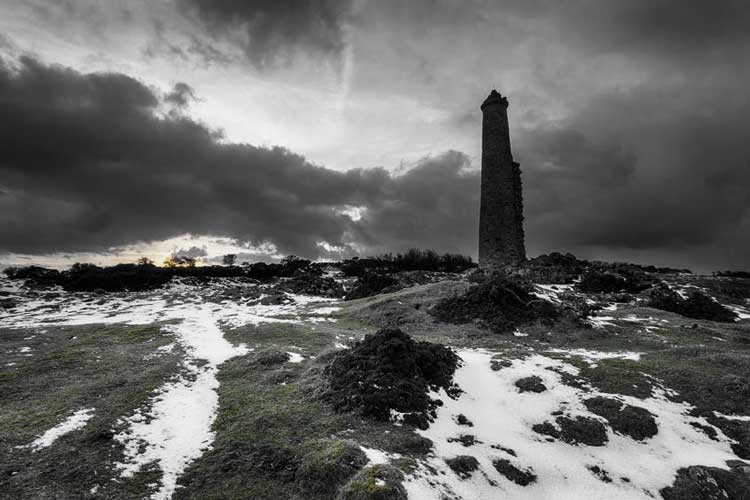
{"points": [[74, 422]]}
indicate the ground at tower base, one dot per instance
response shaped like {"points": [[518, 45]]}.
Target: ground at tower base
{"points": [[386, 378]]}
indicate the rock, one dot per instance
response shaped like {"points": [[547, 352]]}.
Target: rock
{"points": [[735, 429], [698, 305], [276, 299], [462, 420], [706, 429], [513, 473], [615, 280], [699, 482], [632, 421], [581, 430], [463, 465], [602, 474], [465, 439], [498, 364], [530, 384], [509, 451]]}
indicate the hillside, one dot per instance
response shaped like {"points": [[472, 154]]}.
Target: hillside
{"points": [[567, 380]]}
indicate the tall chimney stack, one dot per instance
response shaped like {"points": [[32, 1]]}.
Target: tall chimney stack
{"points": [[501, 237]]}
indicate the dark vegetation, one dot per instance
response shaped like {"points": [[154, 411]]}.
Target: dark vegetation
{"points": [[330, 464], [501, 303], [388, 273], [462, 420], [581, 430], [370, 284], [632, 421], [519, 476], [710, 483], [625, 279], [602, 474], [309, 281], [554, 268], [463, 465], [697, 305], [465, 440], [377, 482], [388, 371], [412, 260], [302, 276], [566, 268], [530, 384], [733, 274], [146, 276]]}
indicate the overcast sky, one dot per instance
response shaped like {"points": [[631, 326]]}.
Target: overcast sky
{"points": [[337, 127]]}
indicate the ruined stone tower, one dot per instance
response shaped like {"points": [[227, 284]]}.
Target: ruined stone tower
{"points": [[501, 206]]}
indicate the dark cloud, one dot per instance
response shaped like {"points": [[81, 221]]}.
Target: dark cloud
{"points": [[269, 31], [193, 252], [87, 164], [669, 173], [195, 49], [181, 95], [435, 204]]}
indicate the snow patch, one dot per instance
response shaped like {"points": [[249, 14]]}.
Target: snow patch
{"points": [[744, 418], [592, 356], [376, 456], [74, 422], [295, 357], [503, 418]]}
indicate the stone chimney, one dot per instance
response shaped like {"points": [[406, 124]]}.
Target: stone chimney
{"points": [[501, 237]]}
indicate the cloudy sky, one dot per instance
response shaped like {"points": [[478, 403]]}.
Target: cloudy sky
{"points": [[338, 127]]}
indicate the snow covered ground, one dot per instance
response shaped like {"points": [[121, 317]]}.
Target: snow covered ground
{"points": [[175, 427], [503, 417]]}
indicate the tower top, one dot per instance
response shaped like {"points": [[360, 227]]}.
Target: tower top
{"points": [[493, 99]]}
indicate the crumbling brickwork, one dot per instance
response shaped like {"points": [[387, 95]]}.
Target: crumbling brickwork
{"points": [[501, 236]]}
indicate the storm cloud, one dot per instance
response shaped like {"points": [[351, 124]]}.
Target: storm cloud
{"points": [[89, 163], [270, 31]]}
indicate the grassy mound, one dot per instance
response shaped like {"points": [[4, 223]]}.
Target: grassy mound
{"points": [[501, 302], [697, 305], [389, 371], [378, 482], [332, 462]]}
